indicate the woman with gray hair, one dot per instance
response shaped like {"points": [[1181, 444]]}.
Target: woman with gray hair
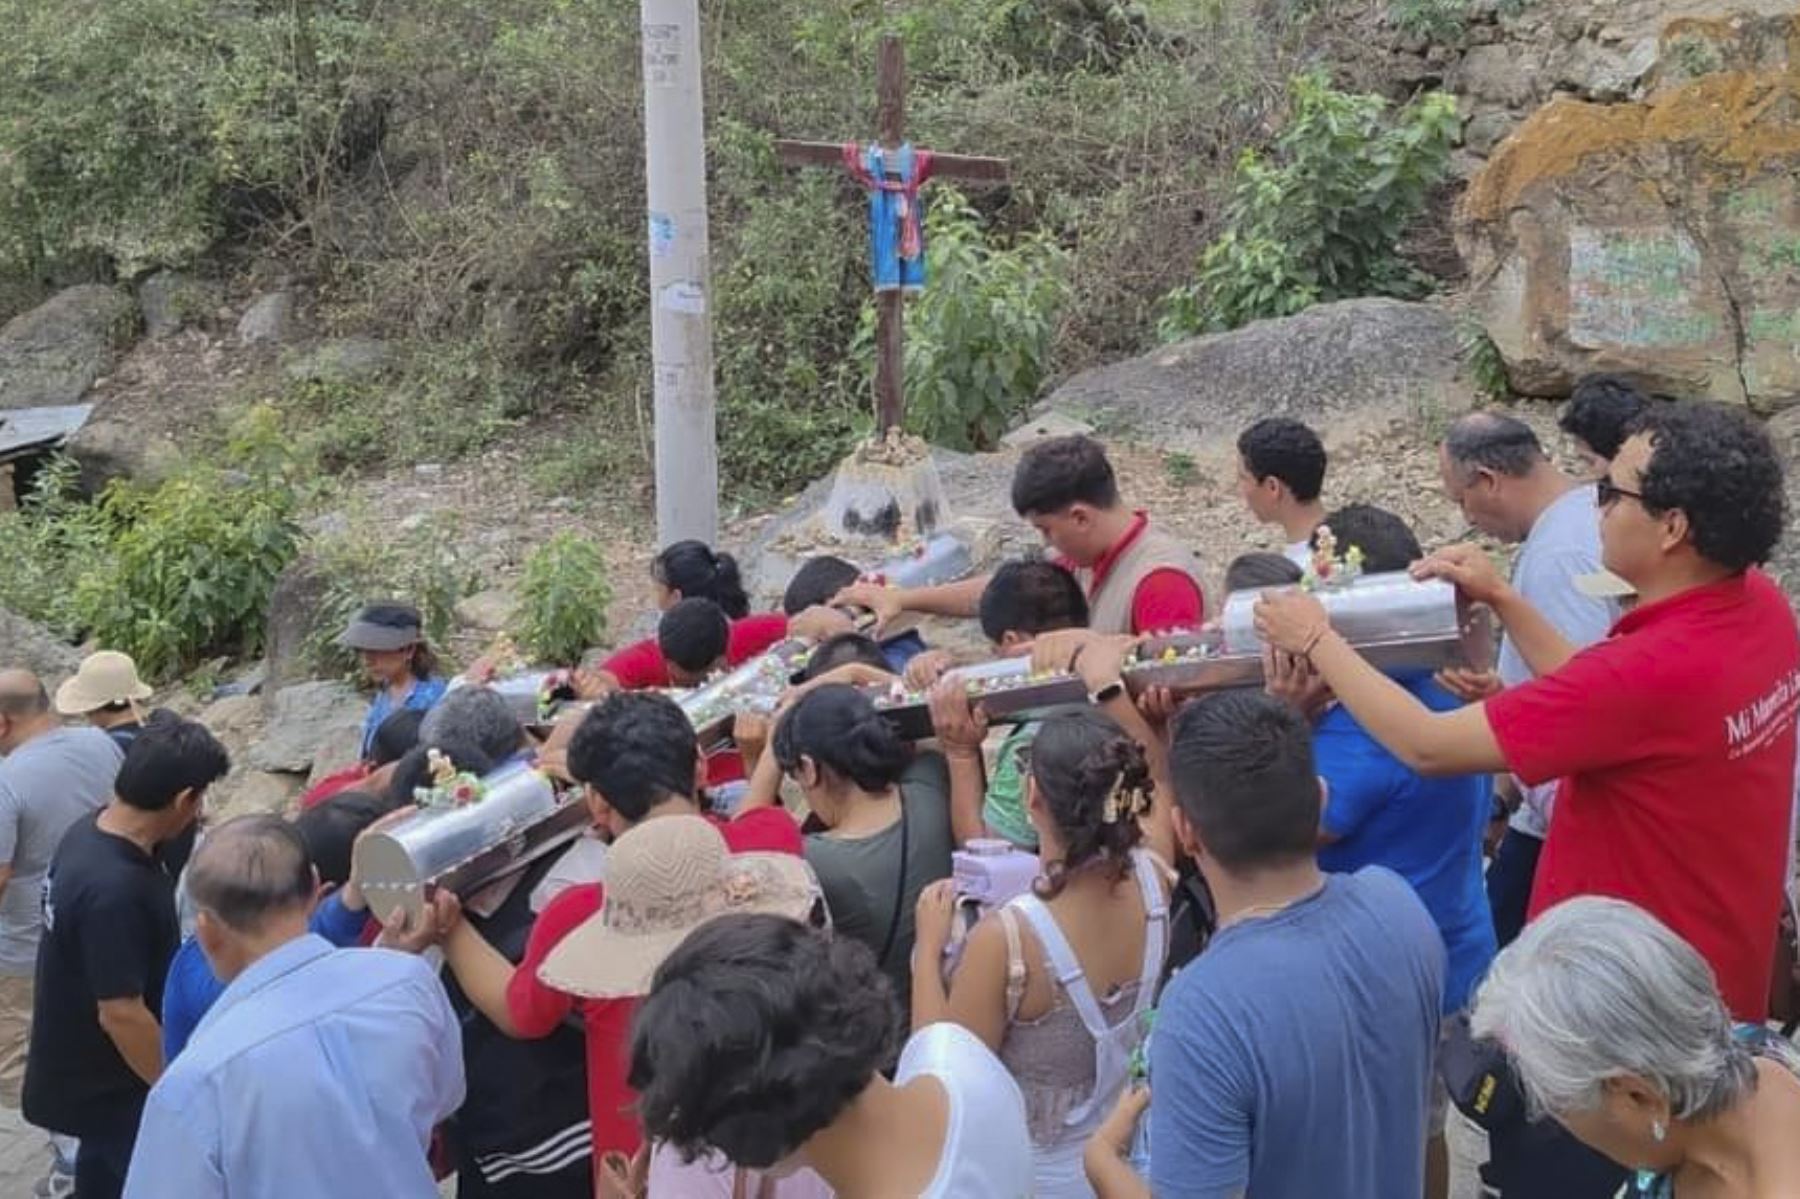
{"points": [[1615, 1027]]}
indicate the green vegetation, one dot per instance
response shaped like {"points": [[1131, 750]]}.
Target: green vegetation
{"points": [[1181, 468], [463, 179], [168, 572], [1321, 217], [1481, 357], [978, 337], [562, 600]]}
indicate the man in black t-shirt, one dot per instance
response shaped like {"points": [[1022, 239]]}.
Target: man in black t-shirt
{"points": [[109, 933]]}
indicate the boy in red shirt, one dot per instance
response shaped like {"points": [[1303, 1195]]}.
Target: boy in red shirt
{"points": [[636, 758], [693, 639], [1675, 736], [1137, 578]]}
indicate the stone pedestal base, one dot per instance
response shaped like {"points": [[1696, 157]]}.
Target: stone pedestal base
{"points": [[880, 497]]}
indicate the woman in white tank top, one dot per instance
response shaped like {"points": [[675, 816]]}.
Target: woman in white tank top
{"points": [[1057, 982]]}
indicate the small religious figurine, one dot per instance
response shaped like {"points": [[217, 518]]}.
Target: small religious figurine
{"points": [[449, 788], [1325, 569]]}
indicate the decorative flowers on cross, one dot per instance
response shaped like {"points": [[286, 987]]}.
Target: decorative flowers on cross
{"points": [[450, 788], [1325, 569]]}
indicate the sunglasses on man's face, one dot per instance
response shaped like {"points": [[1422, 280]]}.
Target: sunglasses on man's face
{"points": [[1607, 493]]}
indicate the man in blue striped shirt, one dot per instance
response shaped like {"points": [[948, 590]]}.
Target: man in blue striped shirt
{"points": [[320, 1071]]}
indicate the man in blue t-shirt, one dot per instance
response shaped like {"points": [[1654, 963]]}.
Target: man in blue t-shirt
{"points": [[1379, 812], [1293, 1058]]}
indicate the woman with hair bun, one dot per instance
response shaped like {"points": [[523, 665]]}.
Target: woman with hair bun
{"points": [[694, 570], [1058, 982], [886, 812]]}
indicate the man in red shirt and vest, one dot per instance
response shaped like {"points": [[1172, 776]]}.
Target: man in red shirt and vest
{"points": [[1138, 579], [1674, 737]]}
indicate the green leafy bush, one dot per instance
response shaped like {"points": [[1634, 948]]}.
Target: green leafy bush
{"points": [[1437, 21], [46, 544], [367, 559], [190, 566], [562, 600], [1321, 217], [137, 129], [978, 337]]}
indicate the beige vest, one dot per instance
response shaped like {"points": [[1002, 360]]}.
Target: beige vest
{"points": [[1109, 609]]}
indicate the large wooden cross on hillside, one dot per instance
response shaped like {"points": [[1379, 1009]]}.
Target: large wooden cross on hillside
{"points": [[890, 122]]}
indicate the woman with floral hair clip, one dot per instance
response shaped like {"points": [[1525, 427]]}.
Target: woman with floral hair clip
{"points": [[1057, 982]]}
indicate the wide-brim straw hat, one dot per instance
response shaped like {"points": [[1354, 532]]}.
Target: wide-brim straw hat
{"points": [[104, 678], [664, 879]]}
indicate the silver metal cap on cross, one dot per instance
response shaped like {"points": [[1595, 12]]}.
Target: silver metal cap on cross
{"points": [[882, 491]]}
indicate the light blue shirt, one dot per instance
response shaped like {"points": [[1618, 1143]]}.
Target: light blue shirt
{"points": [[1563, 545], [320, 1071]]}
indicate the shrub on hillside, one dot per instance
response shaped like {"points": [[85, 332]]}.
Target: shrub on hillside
{"points": [[978, 337], [189, 567], [46, 544], [562, 600], [1320, 218], [139, 129]]}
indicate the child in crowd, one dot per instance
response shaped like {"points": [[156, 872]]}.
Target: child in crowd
{"points": [[1021, 601], [394, 739], [819, 580], [390, 640]]}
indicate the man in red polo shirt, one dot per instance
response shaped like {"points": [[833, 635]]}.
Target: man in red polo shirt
{"points": [[636, 757], [1138, 579], [1675, 736]]}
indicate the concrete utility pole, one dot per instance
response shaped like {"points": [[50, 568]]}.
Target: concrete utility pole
{"points": [[687, 454]]}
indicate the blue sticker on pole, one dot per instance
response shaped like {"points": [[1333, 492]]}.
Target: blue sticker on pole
{"points": [[662, 235]]}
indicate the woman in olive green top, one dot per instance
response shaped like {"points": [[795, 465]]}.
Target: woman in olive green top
{"points": [[886, 811]]}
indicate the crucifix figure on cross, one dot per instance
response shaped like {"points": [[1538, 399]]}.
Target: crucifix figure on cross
{"points": [[893, 171]]}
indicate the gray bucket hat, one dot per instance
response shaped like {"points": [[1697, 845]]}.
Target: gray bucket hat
{"points": [[384, 628]]}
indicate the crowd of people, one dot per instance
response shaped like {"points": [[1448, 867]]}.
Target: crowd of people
{"points": [[1267, 936]]}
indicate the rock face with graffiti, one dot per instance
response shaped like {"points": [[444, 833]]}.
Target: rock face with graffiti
{"points": [[1659, 238]]}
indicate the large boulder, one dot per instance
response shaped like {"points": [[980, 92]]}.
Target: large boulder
{"points": [[252, 793], [25, 643], [307, 717], [1784, 431], [1659, 239], [172, 301], [1353, 364], [269, 320], [52, 354], [114, 446]]}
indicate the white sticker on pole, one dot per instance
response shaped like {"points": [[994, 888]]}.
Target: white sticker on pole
{"points": [[685, 297], [662, 54], [662, 235]]}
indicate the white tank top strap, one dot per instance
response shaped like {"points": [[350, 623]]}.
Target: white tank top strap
{"points": [[1063, 962], [1156, 925]]}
